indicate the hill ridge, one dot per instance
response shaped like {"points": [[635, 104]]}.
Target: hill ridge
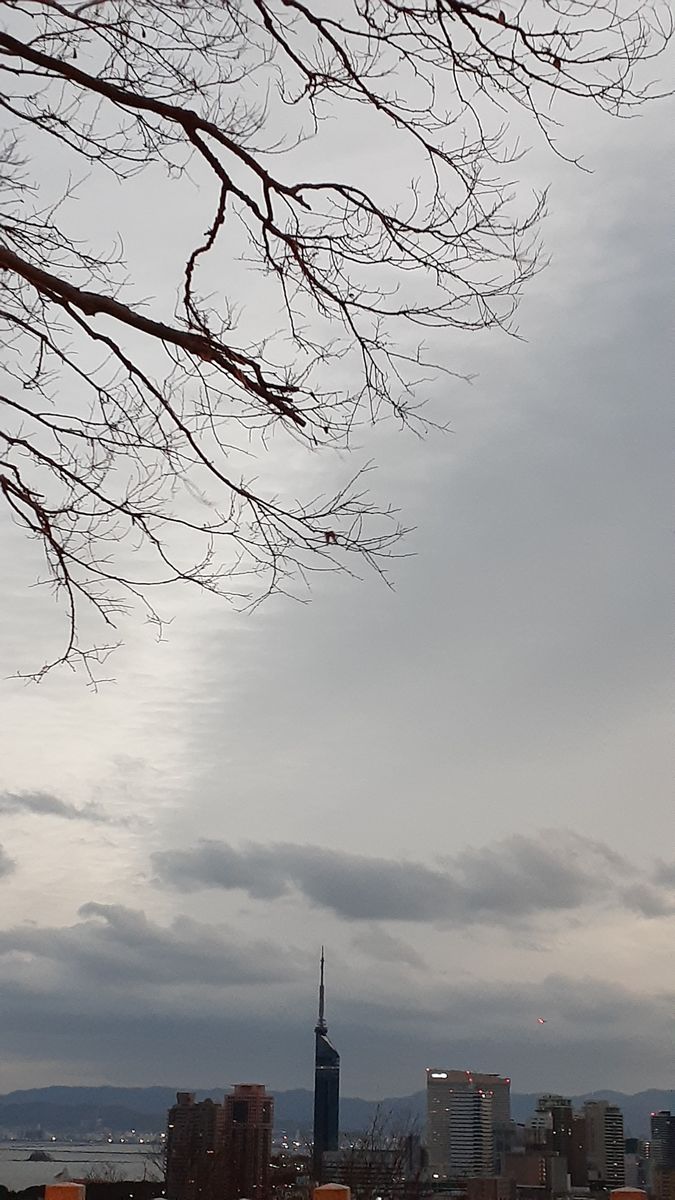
{"points": [[80, 1110]]}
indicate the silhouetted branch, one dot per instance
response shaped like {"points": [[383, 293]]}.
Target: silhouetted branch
{"points": [[128, 439]]}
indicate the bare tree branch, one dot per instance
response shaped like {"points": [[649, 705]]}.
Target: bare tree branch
{"points": [[139, 449]]}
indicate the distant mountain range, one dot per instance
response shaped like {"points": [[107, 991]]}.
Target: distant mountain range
{"points": [[80, 1111]]}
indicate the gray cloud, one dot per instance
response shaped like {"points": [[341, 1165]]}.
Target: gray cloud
{"points": [[649, 900], [119, 945], [48, 805], [579, 1007], [7, 864], [665, 874], [596, 1031], [382, 946], [519, 877]]}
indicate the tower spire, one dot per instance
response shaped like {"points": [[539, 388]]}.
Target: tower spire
{"points": [[326, 1086], [321, 1026]]}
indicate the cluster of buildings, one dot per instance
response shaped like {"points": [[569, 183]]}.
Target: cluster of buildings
{"points": [[475, 1147], [220, 1151], [470, 1135], [473, 1150]]}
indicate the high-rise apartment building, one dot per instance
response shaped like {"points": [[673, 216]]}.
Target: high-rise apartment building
{"points": [[605, 1147], [220, 1151], [326, 1087], [662, 1144], [194, 1149], [560, 1124], [248, 1121], [562, 1133], [578, 1158], [461, 1121]]}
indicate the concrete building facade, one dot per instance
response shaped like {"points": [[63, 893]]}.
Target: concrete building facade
{"points": [[605, 1144], [442, 1084], [460, 1125]]}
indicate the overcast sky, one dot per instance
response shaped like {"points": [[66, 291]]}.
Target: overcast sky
{"points": [[463, 786]]}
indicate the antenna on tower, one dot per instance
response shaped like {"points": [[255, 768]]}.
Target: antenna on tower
{"points": [[321, 1026]]}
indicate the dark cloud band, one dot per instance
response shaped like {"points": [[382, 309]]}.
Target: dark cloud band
{"points": [[518, 878], [47, 805], [117, 945]]}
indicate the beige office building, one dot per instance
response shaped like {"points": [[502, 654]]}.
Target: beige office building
{"points": [[464, 1111]]}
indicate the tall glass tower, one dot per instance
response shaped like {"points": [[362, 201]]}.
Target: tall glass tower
{"points": [[326, 1087]]}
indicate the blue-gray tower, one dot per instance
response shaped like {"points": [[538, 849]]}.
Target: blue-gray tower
{"points": [[326, 1086]]}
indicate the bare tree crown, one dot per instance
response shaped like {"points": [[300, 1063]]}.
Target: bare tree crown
{"points": [[127, 426]]}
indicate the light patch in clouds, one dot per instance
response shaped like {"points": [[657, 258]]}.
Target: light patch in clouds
{"points": [[518, 878], [7, 864], [44, 804]]}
